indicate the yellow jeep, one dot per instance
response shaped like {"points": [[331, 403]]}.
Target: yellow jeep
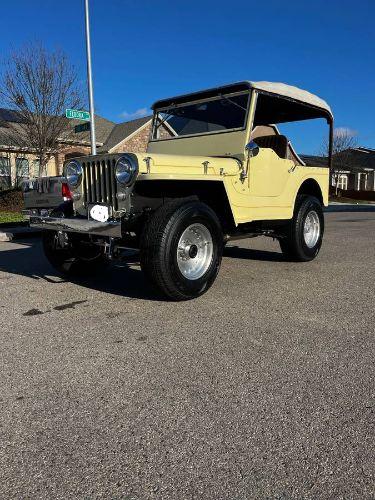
{"points": [[216, 169]]}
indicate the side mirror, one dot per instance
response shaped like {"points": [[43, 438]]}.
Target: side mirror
{"points": [[252, 149]]}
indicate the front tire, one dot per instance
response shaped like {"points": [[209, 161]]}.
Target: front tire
{"points": [[181, 249], [303, 236], [71, 256]]}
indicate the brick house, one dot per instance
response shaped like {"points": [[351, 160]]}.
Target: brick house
{"points": [[17, 165], [128, 136]]}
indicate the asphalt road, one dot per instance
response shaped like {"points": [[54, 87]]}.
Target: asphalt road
{"points": [[262, 388]]}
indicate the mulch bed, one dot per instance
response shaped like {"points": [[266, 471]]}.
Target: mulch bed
{"points": [[11, 201]]}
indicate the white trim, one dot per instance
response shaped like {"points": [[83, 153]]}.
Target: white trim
{"points": [[26, 149], [340, 182], [362, 149], [119, 144]]}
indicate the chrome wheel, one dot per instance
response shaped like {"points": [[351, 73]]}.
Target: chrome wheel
{"points": [[311, 229], [194, 251]]}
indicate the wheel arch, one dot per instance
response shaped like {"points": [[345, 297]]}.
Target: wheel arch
{"points": [[211, 192], [310, 187]]}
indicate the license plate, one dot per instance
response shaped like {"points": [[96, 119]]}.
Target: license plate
{"points": [[99, 213]]}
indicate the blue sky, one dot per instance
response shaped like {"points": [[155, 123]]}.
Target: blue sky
{"points": [[145, 50]]}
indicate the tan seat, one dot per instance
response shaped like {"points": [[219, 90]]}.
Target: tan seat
{"points": [[279, 144]]}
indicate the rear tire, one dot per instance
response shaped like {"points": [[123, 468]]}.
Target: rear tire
{"points": [[181, 249], [78, 258], [303, 236]]}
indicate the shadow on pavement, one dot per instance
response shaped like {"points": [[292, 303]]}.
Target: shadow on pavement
{"points": [[122, 279], [250, 254]]}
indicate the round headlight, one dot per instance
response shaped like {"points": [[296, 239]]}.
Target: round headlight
{"points": [[73, 173], [125, 170]]}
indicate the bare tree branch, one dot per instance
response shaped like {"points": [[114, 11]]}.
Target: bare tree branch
{"points": [[344, 140], [39, 86]]}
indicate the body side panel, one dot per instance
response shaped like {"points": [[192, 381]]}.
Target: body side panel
{"points": [[248, 202]]}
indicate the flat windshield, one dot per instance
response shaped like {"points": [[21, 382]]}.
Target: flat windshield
{"points": [[219, 114]]}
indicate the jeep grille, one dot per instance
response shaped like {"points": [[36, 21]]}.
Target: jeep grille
{"points": [[99, 182]]}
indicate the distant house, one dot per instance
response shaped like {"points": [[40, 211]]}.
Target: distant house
{"points": [[356, 169], [353, 169], [128, 136], [17, 164]]}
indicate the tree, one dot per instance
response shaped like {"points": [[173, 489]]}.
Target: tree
{"points": [[344, 140], [38, 86]]}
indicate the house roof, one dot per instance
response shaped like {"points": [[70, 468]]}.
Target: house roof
{"points": [[357, 158], [108, 133], [10, 118], [353, 159], [123, 130], [8, 115], [315, 161], [103, 129]]}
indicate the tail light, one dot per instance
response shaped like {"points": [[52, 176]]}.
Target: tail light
{"points": [[65, 192]]}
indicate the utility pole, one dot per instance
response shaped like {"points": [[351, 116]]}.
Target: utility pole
{"points": [[89, 80]]}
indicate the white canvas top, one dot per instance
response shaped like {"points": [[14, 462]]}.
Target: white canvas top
{"points": [[292, 92], [277, 88]]}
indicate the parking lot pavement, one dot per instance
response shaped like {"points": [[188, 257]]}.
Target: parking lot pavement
{"points": [[262, 388]]}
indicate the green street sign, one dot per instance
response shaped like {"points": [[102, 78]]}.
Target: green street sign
{"points": [[77, 115], [83, 127]]}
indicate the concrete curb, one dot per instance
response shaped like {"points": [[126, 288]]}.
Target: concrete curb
{"points": [[350, 208], [18, 233]]}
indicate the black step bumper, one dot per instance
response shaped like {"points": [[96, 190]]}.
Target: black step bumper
{"points": [[76, 225]]}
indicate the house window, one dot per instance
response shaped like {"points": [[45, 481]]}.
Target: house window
{"points": [[342, 182], [39, 172], [22, 167], [5, 173], [4, 166], [35, 168]]}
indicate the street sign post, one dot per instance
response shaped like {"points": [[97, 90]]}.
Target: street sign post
{"points": [[83, 127], [77, 115], [89, 79]]}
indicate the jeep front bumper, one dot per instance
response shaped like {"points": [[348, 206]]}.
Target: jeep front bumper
{"points": [[76, 225]]}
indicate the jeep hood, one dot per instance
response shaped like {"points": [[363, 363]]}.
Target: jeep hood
{"points": [[173, 166]]}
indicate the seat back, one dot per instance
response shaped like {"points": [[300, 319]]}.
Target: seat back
{"points": [[279, 144]]}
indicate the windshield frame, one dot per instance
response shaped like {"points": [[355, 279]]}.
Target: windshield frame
{"points": [[199, 101]]}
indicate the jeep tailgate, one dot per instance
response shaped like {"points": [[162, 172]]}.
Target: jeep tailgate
{"points": [[43, 193]]}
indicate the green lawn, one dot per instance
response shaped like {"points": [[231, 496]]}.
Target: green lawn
{"points": [[9, 217]]}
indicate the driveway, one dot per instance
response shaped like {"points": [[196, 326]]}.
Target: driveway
{"points": [[262, 388]]}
